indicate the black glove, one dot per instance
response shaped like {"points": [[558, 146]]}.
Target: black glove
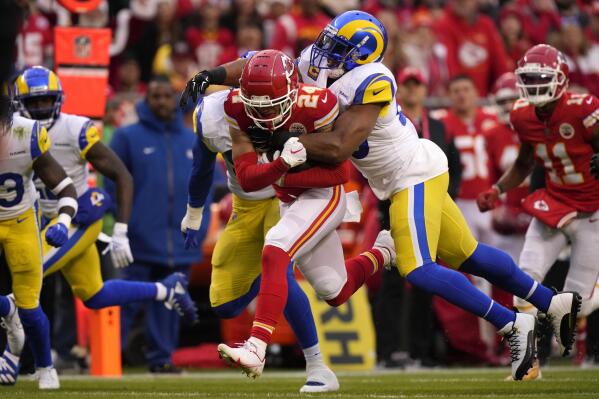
{"points": [[280, 137], [595, 166], [200, 82], [260, 138]]}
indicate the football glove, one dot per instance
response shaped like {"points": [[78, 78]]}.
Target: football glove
{"points": [[595, 165], [487, 200], [260, 138], [294, 152], [200, 82], [57, 234], [120, 251], [190, 226]]}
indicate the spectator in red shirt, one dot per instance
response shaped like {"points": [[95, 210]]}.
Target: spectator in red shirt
{"points": [[474, 46], [512, 33], [298, 29], [209, 40], [34, 41], [540, 19], [583, 58]]}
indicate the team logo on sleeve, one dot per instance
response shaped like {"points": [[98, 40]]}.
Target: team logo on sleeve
{"points": [[19, 132], [313, 72], [566, 131]]}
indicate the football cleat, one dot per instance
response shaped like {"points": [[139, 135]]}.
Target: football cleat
{"points": [[320, 379], [246, 357], [562, 313], [177, 298], [9, 368], [521, 338], [15, 336], [47, 378], [384, 243], [533, 374]]}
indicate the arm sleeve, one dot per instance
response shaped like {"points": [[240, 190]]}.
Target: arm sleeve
{"points": [[319, 176], [202, 173], [254, 177]]}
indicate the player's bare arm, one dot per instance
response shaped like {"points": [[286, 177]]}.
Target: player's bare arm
{"points": [[518, 172], [105, 161], [52, 174], [350, 130], [241, 142], [595, 158]]}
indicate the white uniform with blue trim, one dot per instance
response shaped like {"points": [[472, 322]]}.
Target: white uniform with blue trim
{"points": [[19, 147], [72, 136], [215, 135], [393, 157]]}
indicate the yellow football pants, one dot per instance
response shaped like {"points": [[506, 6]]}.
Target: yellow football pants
{"points": [[237, 257], [426, 224], [78, 259], [20, 241]]}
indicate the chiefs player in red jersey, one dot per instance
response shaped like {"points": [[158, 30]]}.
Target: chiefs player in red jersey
{"points": [[313, 201], [559, 130], [508, 219]]}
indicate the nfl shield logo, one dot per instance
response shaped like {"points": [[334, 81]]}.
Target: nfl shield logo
{"points": [[83, 46]]}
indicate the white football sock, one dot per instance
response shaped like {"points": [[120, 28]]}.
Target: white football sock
{"points": [[313, 356]]}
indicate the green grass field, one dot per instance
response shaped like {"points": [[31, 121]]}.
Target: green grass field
{"points": [[459, 383]]}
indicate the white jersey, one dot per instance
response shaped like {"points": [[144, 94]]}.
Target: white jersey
{"points": [[393, 157], [210, 125], [72, 136], [19, 148]]}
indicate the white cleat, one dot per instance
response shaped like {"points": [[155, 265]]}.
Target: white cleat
{"points": [[320, 379], [9, 368], [246, 357], [384, 242], [522, 340], [15, 335], [47, 378], [562, 313]]}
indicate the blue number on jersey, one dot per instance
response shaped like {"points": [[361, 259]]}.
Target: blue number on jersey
{"points": [[362, 150], [17, 187]]}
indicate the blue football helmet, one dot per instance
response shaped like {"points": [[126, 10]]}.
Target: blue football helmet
{"points": [[30, 86], [352, 39]]}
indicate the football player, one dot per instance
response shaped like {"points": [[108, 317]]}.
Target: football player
{"points": [[425, 222], [24, 146], [236, 260], [559, 130], [39, 96], [313, 201]]}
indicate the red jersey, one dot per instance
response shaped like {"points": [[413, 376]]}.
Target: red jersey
{"points": [[34, 42], [503, 146], [209, 47], [562, 144], [469, 140], [315, 109], [296, 31], [473, 49]]}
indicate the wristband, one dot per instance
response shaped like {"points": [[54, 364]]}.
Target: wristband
{"points": [[64, 219], [499, 189], [61, 186], [218, 75], [68, 202], [120, 228]]}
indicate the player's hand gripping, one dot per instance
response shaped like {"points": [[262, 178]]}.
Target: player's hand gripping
{"points": [[195, 86], [190, 226], [57, 234], [595, 166], [294, 152], [120, 251], [487, 200]]}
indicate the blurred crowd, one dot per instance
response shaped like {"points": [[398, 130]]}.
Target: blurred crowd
{"points": [[449, 58]]}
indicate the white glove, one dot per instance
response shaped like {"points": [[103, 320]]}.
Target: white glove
{"points": [[190, 225], [120, 251], [294, 153]]}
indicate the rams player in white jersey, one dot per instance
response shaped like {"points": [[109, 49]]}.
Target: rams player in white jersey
{"points": [[24, 146], [76, 142], [236, 261], [426, 225]]}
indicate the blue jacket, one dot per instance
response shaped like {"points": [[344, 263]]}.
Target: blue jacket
{"points": [[159, 156]]}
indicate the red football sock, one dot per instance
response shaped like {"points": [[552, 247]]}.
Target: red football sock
{"points": [[273, 292], [359, 269]]}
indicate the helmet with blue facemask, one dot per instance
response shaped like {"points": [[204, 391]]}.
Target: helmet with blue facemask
{"points": [[352, 39]]}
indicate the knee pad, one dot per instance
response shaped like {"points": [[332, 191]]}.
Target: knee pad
{"points": [[327, 285]]}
